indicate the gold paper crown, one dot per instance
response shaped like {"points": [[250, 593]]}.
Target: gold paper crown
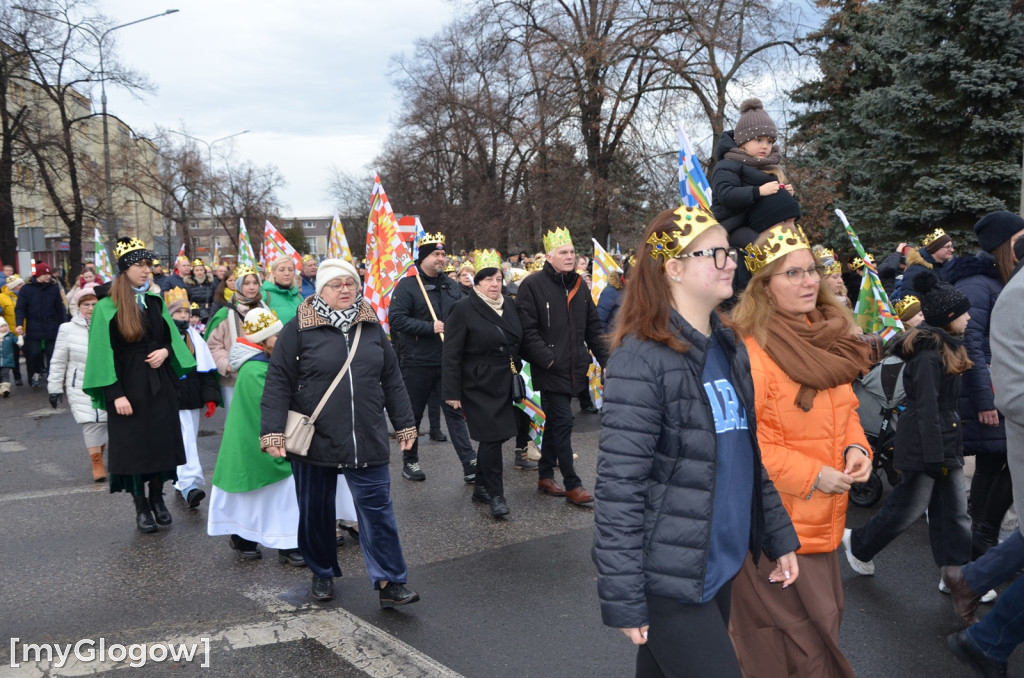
{"points": [[243, 270], [194, 306], [307, 257], [123, 248], [556, 238], [450, 268], [517, 274], [829, 261], [178, 294], [932, 237], [905, 303], [486, 259], [690, 222], [431, 239], [199, 262], [779, 241], [265, 320], [858, 263]]}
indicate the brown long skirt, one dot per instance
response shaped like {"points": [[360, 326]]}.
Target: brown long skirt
{"points": [[789, 632]]}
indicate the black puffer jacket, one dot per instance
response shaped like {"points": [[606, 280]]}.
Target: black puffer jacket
{"points": [[656, 476], [930, 430], [351, 431], [409, 316], [735, 187], [41, 309], [557, 332]]}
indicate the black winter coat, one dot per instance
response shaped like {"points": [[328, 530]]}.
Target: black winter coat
{"points": [[351, 431], [656, 472], [978, 278], [889, 271], [409, 316], [196, 389], [201, 293], [42, 307], [735, 187], [930, 429], [479, 350], [557, 333]]}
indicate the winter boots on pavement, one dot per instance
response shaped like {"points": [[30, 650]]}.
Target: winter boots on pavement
{"points": [[99, 471]]}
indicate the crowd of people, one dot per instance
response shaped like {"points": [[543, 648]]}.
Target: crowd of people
{"points": [[730, 433]]}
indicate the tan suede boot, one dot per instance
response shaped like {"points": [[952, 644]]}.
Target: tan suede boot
{"points": [[99, 471]]}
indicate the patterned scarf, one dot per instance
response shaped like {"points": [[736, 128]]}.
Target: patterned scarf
{"points": [[340, 319]]}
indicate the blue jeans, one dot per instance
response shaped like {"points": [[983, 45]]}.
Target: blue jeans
{"points": [[997, 565], [315, 488], [949, 526], [1002, 629]]}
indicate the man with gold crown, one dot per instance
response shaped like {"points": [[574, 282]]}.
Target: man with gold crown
{"points": [[560, 323], [936, 251], [176, 278], [418, 310], [308, 277]]}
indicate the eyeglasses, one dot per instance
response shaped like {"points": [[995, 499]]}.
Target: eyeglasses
{"points": [[796, 275], [721, 254], [340, 286]]}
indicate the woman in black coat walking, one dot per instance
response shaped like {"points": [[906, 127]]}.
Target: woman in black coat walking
{"points": [[481, 354]]}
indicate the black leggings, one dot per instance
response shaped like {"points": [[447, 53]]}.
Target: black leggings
{"points": [[991, 496], [688, 641]]}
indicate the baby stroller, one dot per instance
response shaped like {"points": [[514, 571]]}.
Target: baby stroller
{"points": [[882, 397]]}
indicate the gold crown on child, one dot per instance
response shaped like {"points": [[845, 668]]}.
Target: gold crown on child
{"points": [[906, 302], [828, 259], [176, 294], [556, 238], [858, 263], [779, 241], [262, 322]]}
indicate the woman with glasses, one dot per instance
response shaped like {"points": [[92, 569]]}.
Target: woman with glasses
{"points": [[683, 499], [351, 435], [804, 355]]}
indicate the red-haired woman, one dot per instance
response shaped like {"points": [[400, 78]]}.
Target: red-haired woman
{"points": [[683, 498]]}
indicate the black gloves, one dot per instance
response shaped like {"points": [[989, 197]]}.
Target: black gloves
{"points": [[56, 399]]}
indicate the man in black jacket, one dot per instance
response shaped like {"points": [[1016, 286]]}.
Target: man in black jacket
{"points": [[560, 323], [38, 315], [420, 338]]}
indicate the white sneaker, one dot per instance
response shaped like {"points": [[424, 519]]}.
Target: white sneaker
{"points": [[859, 566], [987, 598]]}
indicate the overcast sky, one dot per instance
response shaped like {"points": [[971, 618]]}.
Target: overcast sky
{"points": [[308, 78]]}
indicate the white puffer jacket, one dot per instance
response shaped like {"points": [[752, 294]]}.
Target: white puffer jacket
{"points": [[67, 369]]}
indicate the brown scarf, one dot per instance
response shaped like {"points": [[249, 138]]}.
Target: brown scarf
{"points": [[816, 351], [772, 162]]}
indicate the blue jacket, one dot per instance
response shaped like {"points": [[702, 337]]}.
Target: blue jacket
{"points": [[308, 288], [656, 472], [41, 306], [7, 350], [608, 307], [978, 278], [917, 261]]}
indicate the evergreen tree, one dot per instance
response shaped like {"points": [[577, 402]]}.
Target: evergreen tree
{"points": [[918, 112]]}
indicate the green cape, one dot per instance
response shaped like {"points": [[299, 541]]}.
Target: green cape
{"points": [[217, 319], [99, 363], [241, 466]]}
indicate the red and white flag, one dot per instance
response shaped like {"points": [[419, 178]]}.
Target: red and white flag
{"points": [[387, 258], [275, 245]]}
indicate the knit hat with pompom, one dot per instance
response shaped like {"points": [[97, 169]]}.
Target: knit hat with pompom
{"points": [[941, 303], [754, 122]]}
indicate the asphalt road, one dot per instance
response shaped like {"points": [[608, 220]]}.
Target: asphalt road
{"points": [[503, 599]]}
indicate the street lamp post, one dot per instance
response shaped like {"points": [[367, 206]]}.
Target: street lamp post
{"points": [[103, 102], [209, 154]]}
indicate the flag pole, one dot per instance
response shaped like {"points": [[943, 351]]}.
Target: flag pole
{"points": [[430, 306]]}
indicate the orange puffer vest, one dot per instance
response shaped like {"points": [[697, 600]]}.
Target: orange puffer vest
{"points": [[795, 444]]}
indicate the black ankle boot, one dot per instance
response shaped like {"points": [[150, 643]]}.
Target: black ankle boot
{"points": [[143, 516], [156, 503]]}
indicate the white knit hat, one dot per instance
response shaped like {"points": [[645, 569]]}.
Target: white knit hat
{"points": [[261, 324], [334, 268]]}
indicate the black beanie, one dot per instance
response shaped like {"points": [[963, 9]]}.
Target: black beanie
{"points": [[773, 209], [996, 228], [427, 250], [1018, 249], [941, 303]]}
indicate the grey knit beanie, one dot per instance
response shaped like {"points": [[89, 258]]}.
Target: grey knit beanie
{"points": [[754, 122]]}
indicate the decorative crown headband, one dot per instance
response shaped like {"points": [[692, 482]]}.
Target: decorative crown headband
{"points": [[486, 259], [177, 294], [194, 306], [906, 302], [450, 268], [123, 248], [556, 238], [199, 262], [243, 270], [308, 257], [690, 222], [262, 322], [932, 237], [778, 241], [431, 239], [858, 263], [829, 261]]}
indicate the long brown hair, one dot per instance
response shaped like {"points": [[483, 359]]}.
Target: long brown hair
{"points": [[955, 360], [129, 317], [1005, 260], [755, 309], [647, 301]]}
